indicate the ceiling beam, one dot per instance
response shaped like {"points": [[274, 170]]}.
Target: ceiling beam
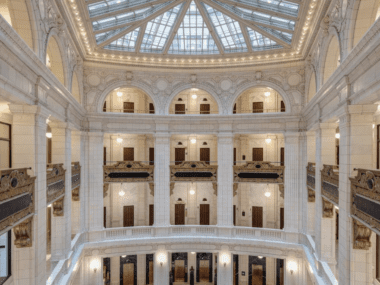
{"points": [[247, 23], [210, 27], [140, 38], [174, 29], [140, 23], [125, 10], [266, 10], [246, 37]]}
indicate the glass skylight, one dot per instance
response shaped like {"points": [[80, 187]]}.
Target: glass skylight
{"points": [[193, 27]]}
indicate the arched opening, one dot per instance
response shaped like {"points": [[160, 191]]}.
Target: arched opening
{"points": [[259, 100], [15, 12], [332, 60], [193, 101], [54, 60], [312, 87], [75, 90], [128, 100], [368, 13]]}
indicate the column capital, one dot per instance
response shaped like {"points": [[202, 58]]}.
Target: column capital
{"points": [[39, 111], [61, 125]]}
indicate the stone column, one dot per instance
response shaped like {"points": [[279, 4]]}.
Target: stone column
{"points": [[355, 151], [94, 193], [161, 271], [29, 150], [225, 268], [83, 180], [225, 179], [75, 205], [310, 205], [162, 181], [61, 226], [324, 227]]}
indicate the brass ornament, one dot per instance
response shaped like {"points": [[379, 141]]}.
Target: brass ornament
{"points": [[327, 209], [125, 167], [259, 167], [362, 236], [194, 166], [58, 207], [23, 234], [55, 180]]}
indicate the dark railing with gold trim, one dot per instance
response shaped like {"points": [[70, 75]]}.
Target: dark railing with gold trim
{"points": [[259, 172], [310, 181], [55, 180], [17, 204], [365, 209], [75, 180], [128, 171], [330, 183]]}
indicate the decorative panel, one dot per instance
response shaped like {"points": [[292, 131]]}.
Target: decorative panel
{"points": [[75, 180], [55, 180], [128, 171], [259, 172], [310, 181], [330, 183], [193, 171]]}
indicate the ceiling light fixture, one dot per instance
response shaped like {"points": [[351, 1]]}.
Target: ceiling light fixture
{"points": [[267, 94], [193, 141], [337, 135], [192, 192], [119, 140], [194, 96], [119, 94]]}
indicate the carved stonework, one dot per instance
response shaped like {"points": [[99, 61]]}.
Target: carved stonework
{"points": [[75, 174], [311, 195], [105, 189], [23, 234], [367, 183], [75, 194], [58, 209], [362, 236], [55, 180], [259, 172], [236, 185], [128, 171], [282, 190], [215, 187], [330, 183], [172, 184], [327, 209], [194, 171], [310, 172], [151, 187]]}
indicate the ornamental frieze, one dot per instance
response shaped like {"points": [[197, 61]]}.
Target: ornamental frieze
{"points": [[330, 183], [259, 172], [194, 171], [55, 180], [128, 172]]}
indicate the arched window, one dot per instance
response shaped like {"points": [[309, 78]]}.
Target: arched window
{"points": [[54, 60], [15, 12], [332, 60], [128, 100], [259, 100], [193, 102], [75, 90], [368, 13], [312, 87]]}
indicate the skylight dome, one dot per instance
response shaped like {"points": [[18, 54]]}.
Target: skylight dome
{"points": [[193, 27]]}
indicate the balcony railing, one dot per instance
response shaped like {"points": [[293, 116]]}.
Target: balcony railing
{"points": [[128, 172], [259, 172], [310, 181], [17, 204], [55, 180], [330, 183], [75, 180]]}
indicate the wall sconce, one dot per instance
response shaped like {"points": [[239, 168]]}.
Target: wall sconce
{"points": [[94, 265], [193, 141], [121, 193], [225, 259], [119, 140], [192, 192], [292, 266], [161, 257], [267, 194], [260, 257], [337, 135], [49, 135], [194, 96], [267, 94], [119, 94]]}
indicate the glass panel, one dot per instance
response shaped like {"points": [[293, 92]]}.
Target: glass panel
{"points": [[259, 42], [126, 43]]}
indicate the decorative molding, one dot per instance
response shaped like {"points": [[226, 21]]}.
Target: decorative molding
{"points": [[327, 209], [75, 175], [259, 172], [310, 178], [362, 236], [23, 234], [194, 171], [367, 183], [128, 172], [281, 188], [15, 182], [75, 194], [235, 188], [151, 187], [172, 184], [55, 182], [330, 183], [58, 207], [311, 195], [105, 189], [215, 187]]}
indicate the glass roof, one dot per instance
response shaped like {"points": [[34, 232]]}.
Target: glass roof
{"points": [[193, 27]]}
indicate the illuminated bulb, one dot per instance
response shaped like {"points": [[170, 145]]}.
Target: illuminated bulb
{"points": [[292, 266], [193, 141], [267, 94], [193, 252], [336, 207], [119, 140], [192, 192], [123, 256], [119, 94], [161, 258], [121, 193], [225, 259], [268, 140], [337, 135], [94, 265], [49, 135], [267, 194], [194, 96], [49, 205], [260, 257]]}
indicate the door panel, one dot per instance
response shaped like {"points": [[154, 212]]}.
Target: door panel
{"points": [[205, 155], [257, 274], [128, 274], [282, 218], [151, 108], [129, 107], [204, 214], [204, 270], [258, 107], [129, 154], [180, 214], [179, 271], [180, 108], [283, 106], [257, 154], [257, 217], [234, 215], [234, 155], [179, 155], [150, 272], [205, 109], [151, 156], [129, 216], [282, 158], [151, 215]]}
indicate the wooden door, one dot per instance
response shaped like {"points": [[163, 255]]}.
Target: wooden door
{"points": [[257, 274], [234, 111], [234, 155], [282, 218], [151, 156], [179, 271], [128, 274], [258, 107], [151, 108], [337, 226], [129, 154], [204, 270], [129, 107], [129, 216], [150, 272], [104, 217], [337, 155], [257, 217], [104, 155], [283, 106], [234, 214], [377, 257], [179, 108], [205, 109], [151, 215], [180, 214], [179, 155], [205, 155], [234, 273], [50, 150], [204, 214], [105, 106], [257, 154], [282, 156]]}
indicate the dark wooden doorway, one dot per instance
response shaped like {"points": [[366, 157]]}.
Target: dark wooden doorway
{"points": [[149, 269], [179, 214], [104, 217], [49, 150], [257, 274], [104, 155], [258, 107], [151, 156], [283, 106], [257, 217], [129, 216], [282, 218], [129, 154], [257, 154], [235, 269], [128, 274], [282, 156], [204, 211], [234, 215], [205, 109], [129, 107], [151, 215], [205, 155], [180, 109], [151, 108], [179, 155]]}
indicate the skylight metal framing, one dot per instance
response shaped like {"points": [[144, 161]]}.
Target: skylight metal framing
{"points": [[273, 24]]}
